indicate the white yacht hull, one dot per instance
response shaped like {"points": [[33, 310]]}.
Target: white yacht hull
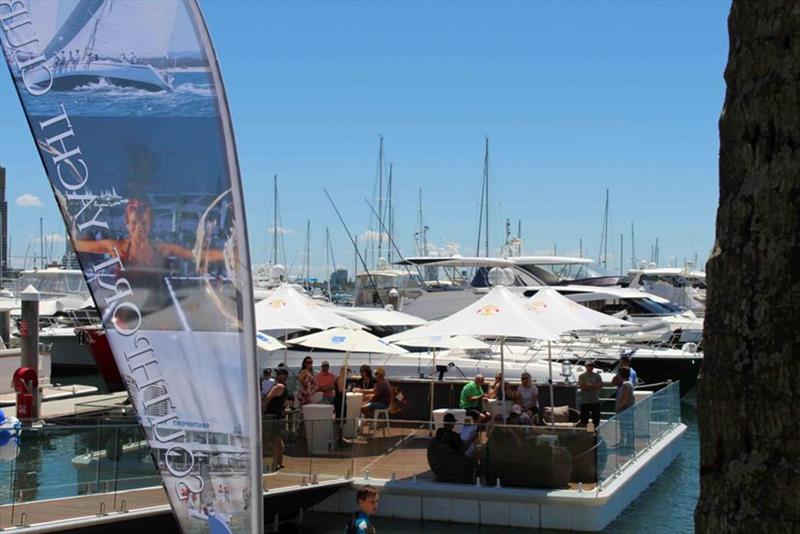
{"points": [[120, 74]]}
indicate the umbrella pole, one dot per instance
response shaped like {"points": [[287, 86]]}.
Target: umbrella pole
{"points": [[503, 378], [285, 340], [344, 395], [433, 388], [344, 386], [552, 389]]}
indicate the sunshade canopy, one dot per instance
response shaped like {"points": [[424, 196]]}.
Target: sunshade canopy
{"points": [[349, 340], [500, 313], [380, 317], [446, 342], [268, 343], [287, 309], [559, 313]]}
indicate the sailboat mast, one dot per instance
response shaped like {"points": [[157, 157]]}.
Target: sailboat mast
{"points": [[390, 216], [633, 248], [327, 261], [486, 180], [275, 219], [308, 256], [419, 226], [480, 218], [41, 243], [602, 255], [380, 197], [621, 251]]}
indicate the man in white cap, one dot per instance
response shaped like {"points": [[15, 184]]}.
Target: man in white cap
{"points": [[326, 383]]}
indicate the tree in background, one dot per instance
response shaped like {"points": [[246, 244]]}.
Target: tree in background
{"points": [[749, 394]]}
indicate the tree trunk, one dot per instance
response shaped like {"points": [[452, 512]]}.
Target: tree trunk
{"points": [[749, 393]]}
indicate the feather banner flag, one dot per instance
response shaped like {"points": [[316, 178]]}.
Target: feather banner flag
{"points": [[126, 105]]}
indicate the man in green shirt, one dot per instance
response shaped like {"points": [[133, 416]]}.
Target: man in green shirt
{"points": [[472, 396]]}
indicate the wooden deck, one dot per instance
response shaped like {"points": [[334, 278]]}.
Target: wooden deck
{"points": [[400, 453]]}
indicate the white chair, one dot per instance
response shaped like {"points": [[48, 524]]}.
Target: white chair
{"points": [[376, 417]]}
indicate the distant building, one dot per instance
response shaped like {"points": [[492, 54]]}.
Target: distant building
{"points": [[339, 278], [3, 221]]}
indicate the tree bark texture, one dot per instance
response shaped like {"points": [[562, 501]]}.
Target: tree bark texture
{"points": [[749, 392]]}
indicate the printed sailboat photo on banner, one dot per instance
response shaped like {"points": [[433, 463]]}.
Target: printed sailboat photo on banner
{"points": [[127, 108]]}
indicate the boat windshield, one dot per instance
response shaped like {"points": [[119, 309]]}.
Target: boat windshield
{"points": [[553, 273], [645, 306], [56, 283]]}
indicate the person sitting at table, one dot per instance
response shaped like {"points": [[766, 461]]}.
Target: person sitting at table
{"points": [[446, 455], [527, 396], [380, 396], [520, 416], [469, 435], [472, 397], [326, 383], [365, 382], [496, 393]]}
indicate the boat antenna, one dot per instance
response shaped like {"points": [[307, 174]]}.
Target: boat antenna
{"points": [[350, 236], [391, 241]]}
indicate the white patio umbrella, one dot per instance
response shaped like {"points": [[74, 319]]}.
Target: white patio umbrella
{"points": [[500, 314], [348, 340], [287, 310], [558, 313], [268, 343], [437, 343]]}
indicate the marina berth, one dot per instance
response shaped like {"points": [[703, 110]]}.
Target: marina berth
{"points": [[520, 475]]}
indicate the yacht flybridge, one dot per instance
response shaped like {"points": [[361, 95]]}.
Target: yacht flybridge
{"points": [[683, 286], [466, 279]]}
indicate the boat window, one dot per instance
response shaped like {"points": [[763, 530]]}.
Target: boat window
{"points": [[645, 306]]}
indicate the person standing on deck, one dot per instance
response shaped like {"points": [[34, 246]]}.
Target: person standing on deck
{"points": [[625, 400], [625, 363], [274, 414], [590, 384], [307, 382]]}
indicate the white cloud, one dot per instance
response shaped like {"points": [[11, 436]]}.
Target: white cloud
{"points": [[29, 201], [372, 235], [50, 238], [281, 230]]}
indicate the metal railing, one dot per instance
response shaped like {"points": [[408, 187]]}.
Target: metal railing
{"points": [[624, 437], [104, 462]]}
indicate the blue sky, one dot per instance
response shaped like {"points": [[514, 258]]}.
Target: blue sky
{"points": [[575, 98]]}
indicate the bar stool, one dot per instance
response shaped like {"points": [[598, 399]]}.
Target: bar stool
{"points": [[376, 417]]}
